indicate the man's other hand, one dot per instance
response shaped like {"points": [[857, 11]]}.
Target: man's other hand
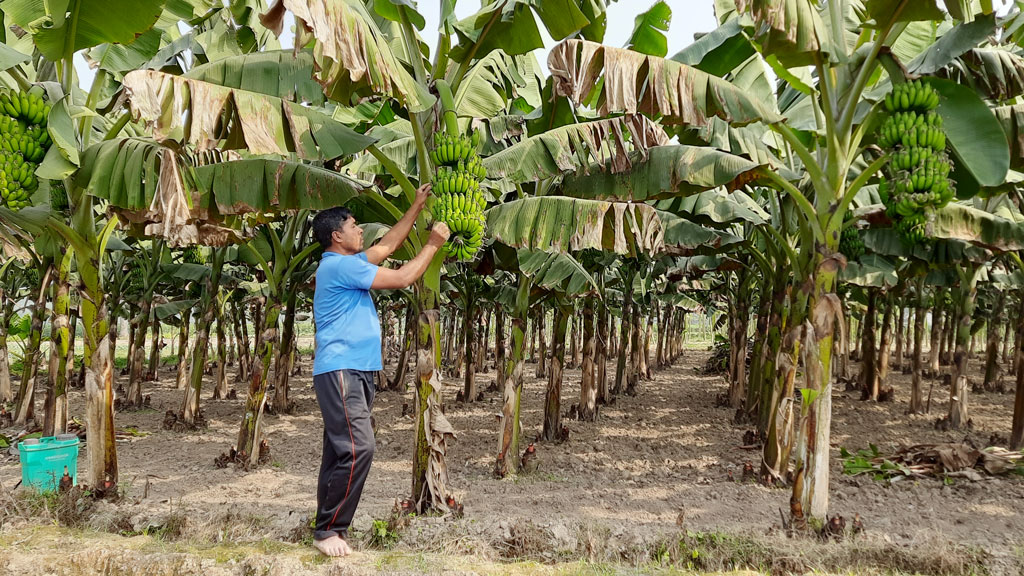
{"points": [[422, 193], [439, 234]]}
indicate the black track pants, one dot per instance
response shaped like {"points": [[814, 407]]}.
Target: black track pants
{"points": [[345, 398]]}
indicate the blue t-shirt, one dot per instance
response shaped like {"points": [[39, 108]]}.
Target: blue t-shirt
{"points": [[347, 327]]}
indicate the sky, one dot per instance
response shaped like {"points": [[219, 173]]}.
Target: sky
{"points": [[688, 17]]}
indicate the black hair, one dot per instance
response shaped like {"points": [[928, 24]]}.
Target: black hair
{"points": [[327, 221]]}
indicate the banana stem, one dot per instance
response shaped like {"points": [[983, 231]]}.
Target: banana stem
{"points": [[451, 120]]}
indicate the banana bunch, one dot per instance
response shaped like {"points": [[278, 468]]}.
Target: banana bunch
{"points": [[911, 129], [909, 135], [449, 206], [850, 243], [914, 95], [24, 141], [136, 282], [26, 106], [457, 181], [458, 200], [916, 181], [912, 229], [17, 180], [467, 235], [449, 149], [58, 197], [25, 146], [193, 255]]}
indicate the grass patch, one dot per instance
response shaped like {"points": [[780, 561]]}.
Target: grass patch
{"points": [[70, 509], [382, 536], [715, 551]]}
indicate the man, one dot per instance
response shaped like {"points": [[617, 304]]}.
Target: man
{"points": [[348, 354]]}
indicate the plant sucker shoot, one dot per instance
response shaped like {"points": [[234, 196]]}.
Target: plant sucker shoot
{"points": [[917, 180], [459, 202], [24, 141]]}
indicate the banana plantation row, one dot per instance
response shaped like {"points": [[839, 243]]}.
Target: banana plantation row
{"points": [[802, 160]]}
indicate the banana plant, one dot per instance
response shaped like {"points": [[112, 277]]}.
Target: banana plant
{"points": [[841, 104], [17, 279]]}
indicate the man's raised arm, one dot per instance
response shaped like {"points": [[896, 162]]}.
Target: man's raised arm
{"points": [[390, 242], [387, 279]]}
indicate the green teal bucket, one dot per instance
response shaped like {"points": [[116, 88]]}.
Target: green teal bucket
{"points": [[44, 461]]}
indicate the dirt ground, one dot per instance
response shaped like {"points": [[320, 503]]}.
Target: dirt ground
{"points": [[652, 465]]}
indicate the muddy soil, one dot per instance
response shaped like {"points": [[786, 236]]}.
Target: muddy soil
{"points": [[651, 464]]}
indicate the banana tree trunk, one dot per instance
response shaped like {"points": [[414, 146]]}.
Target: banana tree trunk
{"points": [[900, 337], [1017, 427], [633, 369], [588, 384], [25, 402], [958, 414], [98, 365], [992, 343], [542, 348], [397, 382], [659, 342], [242, 336], [951, 330], [483, 340], [760, 352], [259, 378], [432, 430], [285, 355], [869, 365], [153, 374], [511, 430], [6, 392], [775, 419], [811, 465], [770, 393], [1018, 337], [601, 353], [779, 443], [220, 388], [624, 330], [883, 348], [553, 398], [613, 336], [55, 413], [738, 326], [111, 335], [184, 352], [136, 375], [499, 346], [190, 411], [460, 346], [1008, 332], [469, 330], [574, 332], [916, 401], [533, 339], [645, 349], [258, 312], [935, 337]]}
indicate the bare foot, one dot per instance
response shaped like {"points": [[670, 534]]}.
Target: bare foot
{"points": [[333, 546]]}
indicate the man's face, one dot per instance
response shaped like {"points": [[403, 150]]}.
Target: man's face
{"points": [[349, 236]]}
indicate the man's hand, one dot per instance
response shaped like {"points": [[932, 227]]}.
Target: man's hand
{"points": [[439, 234], [422, 193]]}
